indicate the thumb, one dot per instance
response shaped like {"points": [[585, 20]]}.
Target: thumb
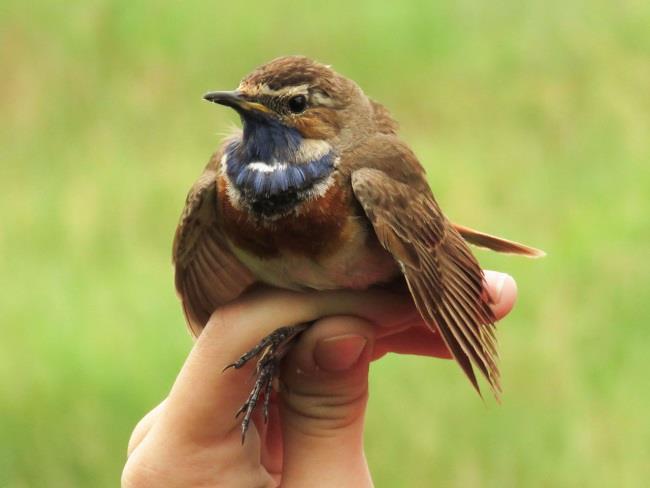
{"points": [[323, 403]]}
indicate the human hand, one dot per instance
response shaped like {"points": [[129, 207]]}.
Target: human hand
{"points": [[314, 435]]}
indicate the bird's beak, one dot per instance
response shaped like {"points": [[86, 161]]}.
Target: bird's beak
{"points": [[236, 100]]}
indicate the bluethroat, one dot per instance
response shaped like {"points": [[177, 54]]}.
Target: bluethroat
{"points": [[318, 192]]}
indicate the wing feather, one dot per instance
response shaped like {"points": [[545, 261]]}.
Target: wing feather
{"points": [[444, 278], [207, 273]]}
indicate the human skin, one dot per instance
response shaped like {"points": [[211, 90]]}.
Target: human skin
{"points": [[314, 435]]}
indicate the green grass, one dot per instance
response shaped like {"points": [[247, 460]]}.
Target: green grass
{"points": [[532, 119]]}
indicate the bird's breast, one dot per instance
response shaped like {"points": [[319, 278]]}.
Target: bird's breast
{"points": [[262, 172], [325, 243]]}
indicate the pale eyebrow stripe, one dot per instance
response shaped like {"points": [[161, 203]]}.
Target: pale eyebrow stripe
{"points": [[287, 90], [317, 97]]}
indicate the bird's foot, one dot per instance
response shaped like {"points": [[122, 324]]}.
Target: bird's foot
{"points": [[270, 350]]}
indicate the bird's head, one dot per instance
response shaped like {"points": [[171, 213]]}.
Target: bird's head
{"points": [[303, 97], [298, 117]]}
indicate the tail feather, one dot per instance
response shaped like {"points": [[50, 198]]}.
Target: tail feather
{"points": [[497, 244]]}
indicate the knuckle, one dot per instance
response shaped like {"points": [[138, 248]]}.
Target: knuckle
{"points": [[322, 414], [225, 316]]}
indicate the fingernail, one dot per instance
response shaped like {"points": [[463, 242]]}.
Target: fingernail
{"points": [[339, 353], [497, 292]]}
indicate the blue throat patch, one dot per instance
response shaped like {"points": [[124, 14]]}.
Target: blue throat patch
{"points": [[268, 141]]}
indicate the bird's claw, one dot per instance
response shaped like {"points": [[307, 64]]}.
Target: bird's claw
{"points": [[271, 350]]}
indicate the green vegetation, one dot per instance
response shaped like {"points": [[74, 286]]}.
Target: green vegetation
{"points": [[533, 120]]}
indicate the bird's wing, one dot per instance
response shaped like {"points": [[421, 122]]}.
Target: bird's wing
{"points": [[207, 273], [443, 276]]}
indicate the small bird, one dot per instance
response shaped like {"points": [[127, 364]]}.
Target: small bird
{"points": [[318, 192]]}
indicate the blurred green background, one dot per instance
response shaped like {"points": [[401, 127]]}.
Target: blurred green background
{"points": [[533, 120]]}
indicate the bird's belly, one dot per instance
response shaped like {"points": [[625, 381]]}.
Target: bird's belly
{"points": [[358, 263]]}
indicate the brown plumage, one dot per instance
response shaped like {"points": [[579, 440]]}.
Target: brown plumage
{"points": [[370, 218]]}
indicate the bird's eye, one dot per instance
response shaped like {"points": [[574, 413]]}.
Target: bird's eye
{"points": [[297, 104]]}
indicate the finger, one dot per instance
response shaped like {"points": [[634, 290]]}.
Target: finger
{"points": [[503, 290], [143, 426], [271, 434], [385, 308], [203, 400], [419, 340], [323, 404]]}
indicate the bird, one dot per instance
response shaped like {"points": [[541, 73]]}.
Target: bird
{"points": [[317, 191]]}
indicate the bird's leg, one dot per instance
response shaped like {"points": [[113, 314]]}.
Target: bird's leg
{"points": [[270, 350]]}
